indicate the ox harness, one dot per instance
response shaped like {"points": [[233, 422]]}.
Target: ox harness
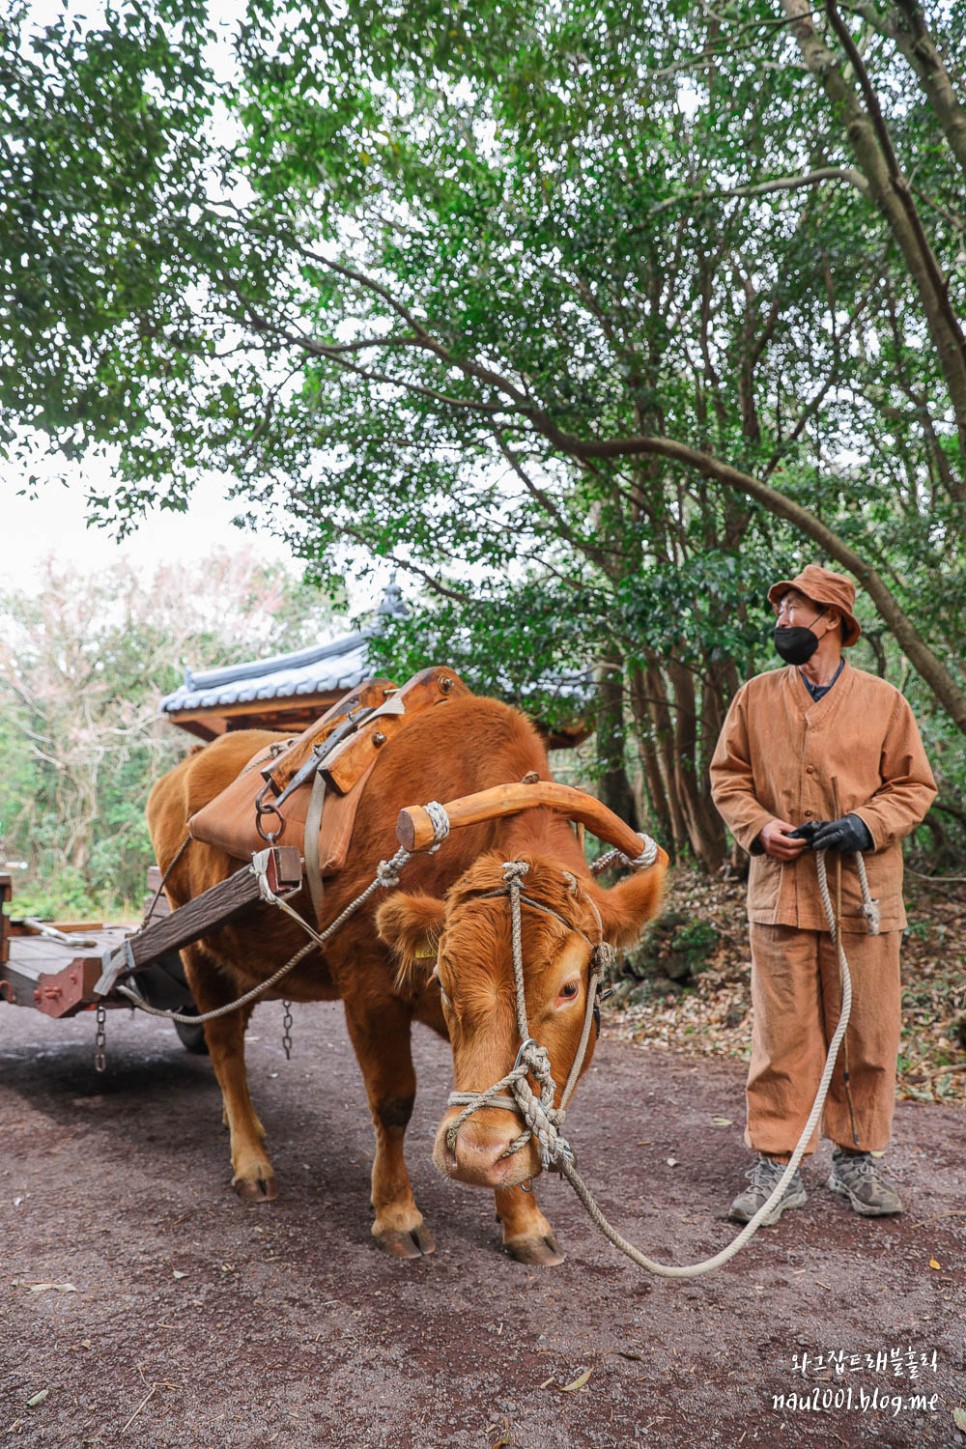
{"points": [[543, 1120]]}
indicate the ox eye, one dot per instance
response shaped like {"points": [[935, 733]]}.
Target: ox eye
{"points": [[569, 990]]}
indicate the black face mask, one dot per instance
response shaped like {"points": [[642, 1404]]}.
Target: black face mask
{"points": [[796, 646]]}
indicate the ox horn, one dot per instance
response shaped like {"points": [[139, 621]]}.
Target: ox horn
{"points": [[415, 829]]}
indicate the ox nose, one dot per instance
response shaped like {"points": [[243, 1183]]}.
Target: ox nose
{"points": [[479, 1154]]}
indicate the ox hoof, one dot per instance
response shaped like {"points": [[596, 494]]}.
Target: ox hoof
{"points": [[544, 1252], [416, 1243], [260, 1189]]}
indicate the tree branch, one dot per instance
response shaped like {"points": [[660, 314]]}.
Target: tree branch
{"points": [[946, 688], [761, 188]]}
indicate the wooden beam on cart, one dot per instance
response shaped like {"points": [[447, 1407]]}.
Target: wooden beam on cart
{"points": [[202, 915]]}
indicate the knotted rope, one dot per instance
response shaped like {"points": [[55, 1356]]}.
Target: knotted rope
{"points": [[543, 1121], [637, 862], [695, 1270], [385, 878]]}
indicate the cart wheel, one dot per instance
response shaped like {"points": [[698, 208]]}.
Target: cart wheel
{"points": [[192, 1036]]}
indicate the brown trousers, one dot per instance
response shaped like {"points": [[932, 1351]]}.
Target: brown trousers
{"points": [[795, 994]]}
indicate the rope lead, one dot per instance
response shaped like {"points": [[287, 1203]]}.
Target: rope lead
{"points": [[696, 1270]]}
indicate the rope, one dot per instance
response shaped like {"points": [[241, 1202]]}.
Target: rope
{"points": [[542, 1120], [161, 884], [386, 878], [440, 823], [696, 1270], [136, 999], [637, 862], [870, 906]]}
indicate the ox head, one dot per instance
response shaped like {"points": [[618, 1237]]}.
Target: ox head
{"points": [[465, 943]]}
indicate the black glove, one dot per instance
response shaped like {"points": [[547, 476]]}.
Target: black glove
{"points": [[807, 831], [846, 835]]}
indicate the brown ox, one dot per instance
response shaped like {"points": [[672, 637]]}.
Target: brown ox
{"points": [[385, 970]]}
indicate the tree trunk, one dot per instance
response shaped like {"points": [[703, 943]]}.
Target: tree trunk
{"points": [[656, 734], [706, 834], [614, 787], [890, 192], [662, 823], [913, 38]]}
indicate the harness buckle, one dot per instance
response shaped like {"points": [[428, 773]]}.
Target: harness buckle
{"points": [[529, 1042]]}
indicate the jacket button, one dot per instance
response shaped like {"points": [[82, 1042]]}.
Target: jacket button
{"points": [[810, 769]]}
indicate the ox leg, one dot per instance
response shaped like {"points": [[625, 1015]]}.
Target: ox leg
{"points": [[527, 1236], [381, 1038], [253, 1176]]}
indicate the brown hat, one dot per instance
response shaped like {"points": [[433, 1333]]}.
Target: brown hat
{"points": [[823, 587]]}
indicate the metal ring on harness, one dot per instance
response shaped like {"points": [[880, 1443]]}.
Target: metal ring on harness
{"points": [[261, 808], [524, 1045]]}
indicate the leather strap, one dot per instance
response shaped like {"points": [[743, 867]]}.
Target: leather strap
{"points": [[310, 849]]}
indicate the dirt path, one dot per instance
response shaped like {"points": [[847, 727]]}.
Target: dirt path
{"points": [[199, 1323]]}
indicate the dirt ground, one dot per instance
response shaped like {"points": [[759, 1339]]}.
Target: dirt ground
{"points": [[143, 1305]]}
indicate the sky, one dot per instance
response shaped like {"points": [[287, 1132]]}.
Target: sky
{"points": [[55, 524]]}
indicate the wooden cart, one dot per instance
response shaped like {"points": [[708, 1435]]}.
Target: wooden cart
{"points": [[64, 968]]}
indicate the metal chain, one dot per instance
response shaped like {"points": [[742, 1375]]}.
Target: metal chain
{"points": [[287, 1031], [100, 1039]]}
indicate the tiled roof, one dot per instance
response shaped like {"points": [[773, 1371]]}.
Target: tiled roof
{"points": [[324, 669], [329, 668]]}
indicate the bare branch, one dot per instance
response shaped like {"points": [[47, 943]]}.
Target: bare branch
{"points": [[760, 188]]}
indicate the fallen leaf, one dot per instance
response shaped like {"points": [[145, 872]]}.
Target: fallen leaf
{"points": [[959, 1418], [46, 1287], [37, 1399], [672, 1162], [721, 1121], [934, 1264], [577, 1383], [179, 1275]]}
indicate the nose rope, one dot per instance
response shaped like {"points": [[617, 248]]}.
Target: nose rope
{"points": [[543, 1121]]}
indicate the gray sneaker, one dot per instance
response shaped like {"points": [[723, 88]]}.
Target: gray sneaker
{"points": [[763, 1177], [855, 1175]]}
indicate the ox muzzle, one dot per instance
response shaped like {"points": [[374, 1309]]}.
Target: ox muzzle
{"points": [[508, 1133]]}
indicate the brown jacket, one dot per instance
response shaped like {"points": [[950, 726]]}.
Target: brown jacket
{"points": [[781, 755]]}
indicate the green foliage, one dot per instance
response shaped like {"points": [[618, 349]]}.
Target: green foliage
{"points": [[524, 299], [83, 664], [677, 948]]}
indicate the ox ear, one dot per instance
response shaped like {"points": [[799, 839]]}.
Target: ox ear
{"points": [[412, 926], [628, 906]]}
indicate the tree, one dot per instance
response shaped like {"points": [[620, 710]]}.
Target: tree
{"points": [[83, 664], [594, 319]]}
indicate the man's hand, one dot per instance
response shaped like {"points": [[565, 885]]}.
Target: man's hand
{"points": [[777, 841]]}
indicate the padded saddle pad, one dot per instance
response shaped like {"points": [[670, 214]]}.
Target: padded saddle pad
{"points": [[231, 820]]}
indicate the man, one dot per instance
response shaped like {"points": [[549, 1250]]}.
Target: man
{"points": [[835, 750]]}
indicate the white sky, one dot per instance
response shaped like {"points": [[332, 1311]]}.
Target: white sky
{"points": [[55, 524]]}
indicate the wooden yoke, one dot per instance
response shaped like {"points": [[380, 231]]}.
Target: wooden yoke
{"points": [[414, 828]]}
